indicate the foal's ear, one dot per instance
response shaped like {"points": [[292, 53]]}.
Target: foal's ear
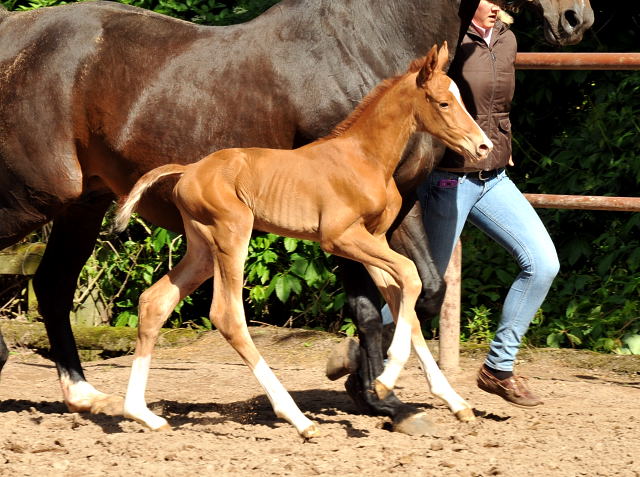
{"points": [[428, 67], [443, 56]]}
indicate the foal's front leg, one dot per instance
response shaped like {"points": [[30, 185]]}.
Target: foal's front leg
{"points": [[438, 383], [398, 281]]}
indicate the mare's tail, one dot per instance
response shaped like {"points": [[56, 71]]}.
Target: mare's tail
{"points": [[127, 207]]}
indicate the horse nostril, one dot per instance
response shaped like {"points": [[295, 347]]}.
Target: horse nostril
{"points": [[483, 150], [572, 18]]}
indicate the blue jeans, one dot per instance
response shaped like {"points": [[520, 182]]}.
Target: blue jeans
{"points": [[499, 209]]}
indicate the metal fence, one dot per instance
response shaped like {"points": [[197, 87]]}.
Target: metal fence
{"points": [[449, 353]]}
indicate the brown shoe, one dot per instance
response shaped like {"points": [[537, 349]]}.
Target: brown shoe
{"points": [[513, 390]]}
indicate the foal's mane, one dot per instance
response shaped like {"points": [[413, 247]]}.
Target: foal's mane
{"points": [[375, 94]]}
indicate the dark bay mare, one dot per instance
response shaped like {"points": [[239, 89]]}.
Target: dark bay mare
{"points": [[95, 94], [338, 191]]}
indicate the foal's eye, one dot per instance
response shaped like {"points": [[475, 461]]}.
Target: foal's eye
{"points": [[443, 105]]}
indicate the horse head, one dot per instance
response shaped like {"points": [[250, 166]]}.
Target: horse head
{"points": [[440, 110], [565, 21]]}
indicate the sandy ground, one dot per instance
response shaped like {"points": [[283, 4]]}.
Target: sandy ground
{"points": [[223, 424]]}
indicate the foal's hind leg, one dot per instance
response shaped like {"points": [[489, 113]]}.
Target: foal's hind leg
{"points": [[156, 304], [227, 314]]}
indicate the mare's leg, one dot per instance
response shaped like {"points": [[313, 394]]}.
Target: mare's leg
{"points": [[363, 299], [4, 352], [155, 306], [19, 215], [227, 314], [70, 244]]}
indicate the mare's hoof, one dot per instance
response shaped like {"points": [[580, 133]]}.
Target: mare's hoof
{"points": [[343, 359], [415, 425], [162, 428], [110, 405], [310, 432], [466, 415], [382, 391], [354, 389]]}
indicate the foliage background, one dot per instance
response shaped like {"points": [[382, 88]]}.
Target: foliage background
{"points": [[576, 132]]}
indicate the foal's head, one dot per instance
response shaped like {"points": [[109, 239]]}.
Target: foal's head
{"points": [[439, 108]]}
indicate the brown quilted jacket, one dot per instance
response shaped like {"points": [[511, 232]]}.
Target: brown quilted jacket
{"points": [[486, 78]]}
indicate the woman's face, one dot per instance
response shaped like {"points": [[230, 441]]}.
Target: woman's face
{"points": [[486, 14]]}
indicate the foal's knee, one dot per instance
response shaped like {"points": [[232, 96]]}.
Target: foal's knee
{"points": [[410, 280]]}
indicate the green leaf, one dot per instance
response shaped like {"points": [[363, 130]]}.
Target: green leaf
{"points": [[122, 319], [206, 323], [299, 267], [290, 244], [554, 340], [294, 284], [632, 341], [159, 239], [311, 275], [574, 339], [282, 287], [133, 320]]}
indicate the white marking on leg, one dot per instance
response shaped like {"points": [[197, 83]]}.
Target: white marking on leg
{"points": [[281, 401], [438, 384], [80, 395], [398, 355], [135, 406]]}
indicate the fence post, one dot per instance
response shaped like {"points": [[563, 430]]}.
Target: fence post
{"points": [[449, 352]]}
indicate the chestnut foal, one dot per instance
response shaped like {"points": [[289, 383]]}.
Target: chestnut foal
{"points": [[339, 191]]}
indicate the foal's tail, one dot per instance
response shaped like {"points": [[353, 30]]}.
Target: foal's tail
{"points": [[127, 206]]}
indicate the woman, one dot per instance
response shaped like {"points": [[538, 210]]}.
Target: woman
{"points": [[482, 194]]}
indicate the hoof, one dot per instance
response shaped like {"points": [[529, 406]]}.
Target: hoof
{"points": [[416, 425], [310, 432], [343, 359], [148, 419], [358, 395], [466, 415], [162, 428], [382, 391], [109, 405]]}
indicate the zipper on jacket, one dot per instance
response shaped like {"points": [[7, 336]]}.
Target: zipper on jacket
{"points": [[493, 86]]}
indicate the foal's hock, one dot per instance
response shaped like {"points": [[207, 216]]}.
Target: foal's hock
{"points": [[339, 191]]}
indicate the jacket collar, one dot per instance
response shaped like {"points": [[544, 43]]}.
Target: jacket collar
{"points": [[498, 29]]}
